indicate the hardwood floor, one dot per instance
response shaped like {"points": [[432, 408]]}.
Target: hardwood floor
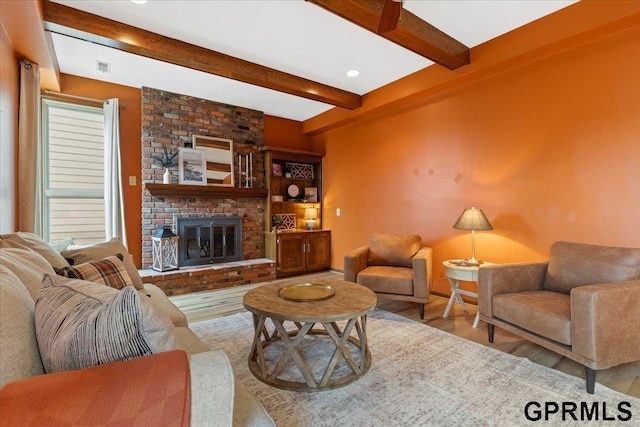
{"points": [[200, 306]]}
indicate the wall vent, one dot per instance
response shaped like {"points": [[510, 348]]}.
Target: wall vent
{"points": [[105, 67]]}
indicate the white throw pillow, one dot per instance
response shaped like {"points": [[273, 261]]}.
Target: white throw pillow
{"points": [[63, 244]]}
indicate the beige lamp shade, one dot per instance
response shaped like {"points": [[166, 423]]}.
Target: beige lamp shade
{"points": [[310, 215], [473, 219]]}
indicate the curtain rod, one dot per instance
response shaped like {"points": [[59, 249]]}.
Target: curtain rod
{"points": [[81, 98]]}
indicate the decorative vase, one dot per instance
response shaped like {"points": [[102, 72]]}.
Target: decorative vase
{"points": [[166, 176]]}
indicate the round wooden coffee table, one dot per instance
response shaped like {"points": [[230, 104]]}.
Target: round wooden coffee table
{"points": [[338, 315]]}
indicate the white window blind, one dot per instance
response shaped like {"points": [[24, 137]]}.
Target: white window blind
{"points": [[73, 160]]}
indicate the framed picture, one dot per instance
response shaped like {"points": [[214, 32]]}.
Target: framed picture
{"points": [[277, 169], [219, 158], [311, 194], [191, 166]]}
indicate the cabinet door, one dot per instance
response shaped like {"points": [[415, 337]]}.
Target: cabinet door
{"points": [[318, 251], [291, 253]]}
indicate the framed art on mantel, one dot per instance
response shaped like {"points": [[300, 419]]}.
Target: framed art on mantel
{"points": [[219, 159], [191, 167]]}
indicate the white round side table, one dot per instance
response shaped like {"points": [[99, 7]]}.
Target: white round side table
{"points": [[455, 274]]}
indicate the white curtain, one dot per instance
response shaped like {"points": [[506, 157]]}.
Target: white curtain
{"points": [[113, 195], [29, 188]]}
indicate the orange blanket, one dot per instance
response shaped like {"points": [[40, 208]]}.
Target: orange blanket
{"points": [[148, 391]]}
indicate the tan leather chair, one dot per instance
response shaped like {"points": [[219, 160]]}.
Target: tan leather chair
{"points": [[584, 303], [393, 266]]}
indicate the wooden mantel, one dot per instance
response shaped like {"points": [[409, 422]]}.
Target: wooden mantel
{"points": [[206, 191]]}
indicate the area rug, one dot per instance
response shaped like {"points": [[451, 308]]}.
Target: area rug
{"points": [[421, 376]]}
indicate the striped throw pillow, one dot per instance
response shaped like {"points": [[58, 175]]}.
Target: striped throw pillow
{"points": [[80, 324], [109, 271]]}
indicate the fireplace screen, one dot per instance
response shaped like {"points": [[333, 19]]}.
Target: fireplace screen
{"points": [[209, 240]]}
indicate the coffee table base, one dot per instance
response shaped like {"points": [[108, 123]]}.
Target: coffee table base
{"points": [[271, 373]]}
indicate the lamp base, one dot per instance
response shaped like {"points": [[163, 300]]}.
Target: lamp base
{"points": [[311, 224], [472, 262]]}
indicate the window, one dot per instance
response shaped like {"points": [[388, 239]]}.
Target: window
{"points": [[73, 172]]}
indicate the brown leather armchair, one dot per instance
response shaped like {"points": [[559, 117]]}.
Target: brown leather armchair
{"points": [[584, 303], [393, 266]]}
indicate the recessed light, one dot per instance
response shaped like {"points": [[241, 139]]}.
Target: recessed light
{"points": [[353, 73], [139, 1]]}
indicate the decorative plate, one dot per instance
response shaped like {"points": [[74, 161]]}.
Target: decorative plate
{"points": [[306, 292]]}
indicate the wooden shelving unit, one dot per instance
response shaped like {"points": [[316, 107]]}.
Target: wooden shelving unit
{"points": [[278, 185], [296, 251], [207, 191]]}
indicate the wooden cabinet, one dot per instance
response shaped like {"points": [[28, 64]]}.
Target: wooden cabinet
{"points": [[295, 248], [299, 252]]}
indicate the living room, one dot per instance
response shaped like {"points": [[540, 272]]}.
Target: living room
{"points": [[562, 176], [540, 131]]}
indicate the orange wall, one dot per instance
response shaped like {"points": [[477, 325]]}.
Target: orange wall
{"points": [[285, 133], [9, 76], [130, 137], [549, 151]]}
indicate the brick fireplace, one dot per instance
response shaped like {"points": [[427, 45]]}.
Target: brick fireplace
{"points": [[170, 120]]}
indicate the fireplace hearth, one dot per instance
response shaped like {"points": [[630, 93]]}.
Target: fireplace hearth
{"points": [[209, 240]]}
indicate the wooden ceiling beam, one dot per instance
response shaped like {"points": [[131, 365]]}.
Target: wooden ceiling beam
{"points": [[410, 32], [389, 16], [82, 25]]}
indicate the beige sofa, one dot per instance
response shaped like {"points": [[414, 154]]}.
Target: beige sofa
{"points": [[215, 397], [393, 266], [584, 303]]}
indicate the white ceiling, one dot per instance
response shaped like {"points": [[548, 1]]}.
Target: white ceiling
{"points": [[289, 35]]}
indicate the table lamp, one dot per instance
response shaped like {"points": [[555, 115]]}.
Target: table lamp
{"points": [[311, 214], [473, 219]]}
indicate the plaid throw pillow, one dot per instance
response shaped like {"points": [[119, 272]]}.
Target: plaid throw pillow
{"points": [[102, 250], [109, 271]]}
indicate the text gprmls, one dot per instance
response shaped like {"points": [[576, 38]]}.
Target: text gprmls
{"points": [[578, 411]]}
